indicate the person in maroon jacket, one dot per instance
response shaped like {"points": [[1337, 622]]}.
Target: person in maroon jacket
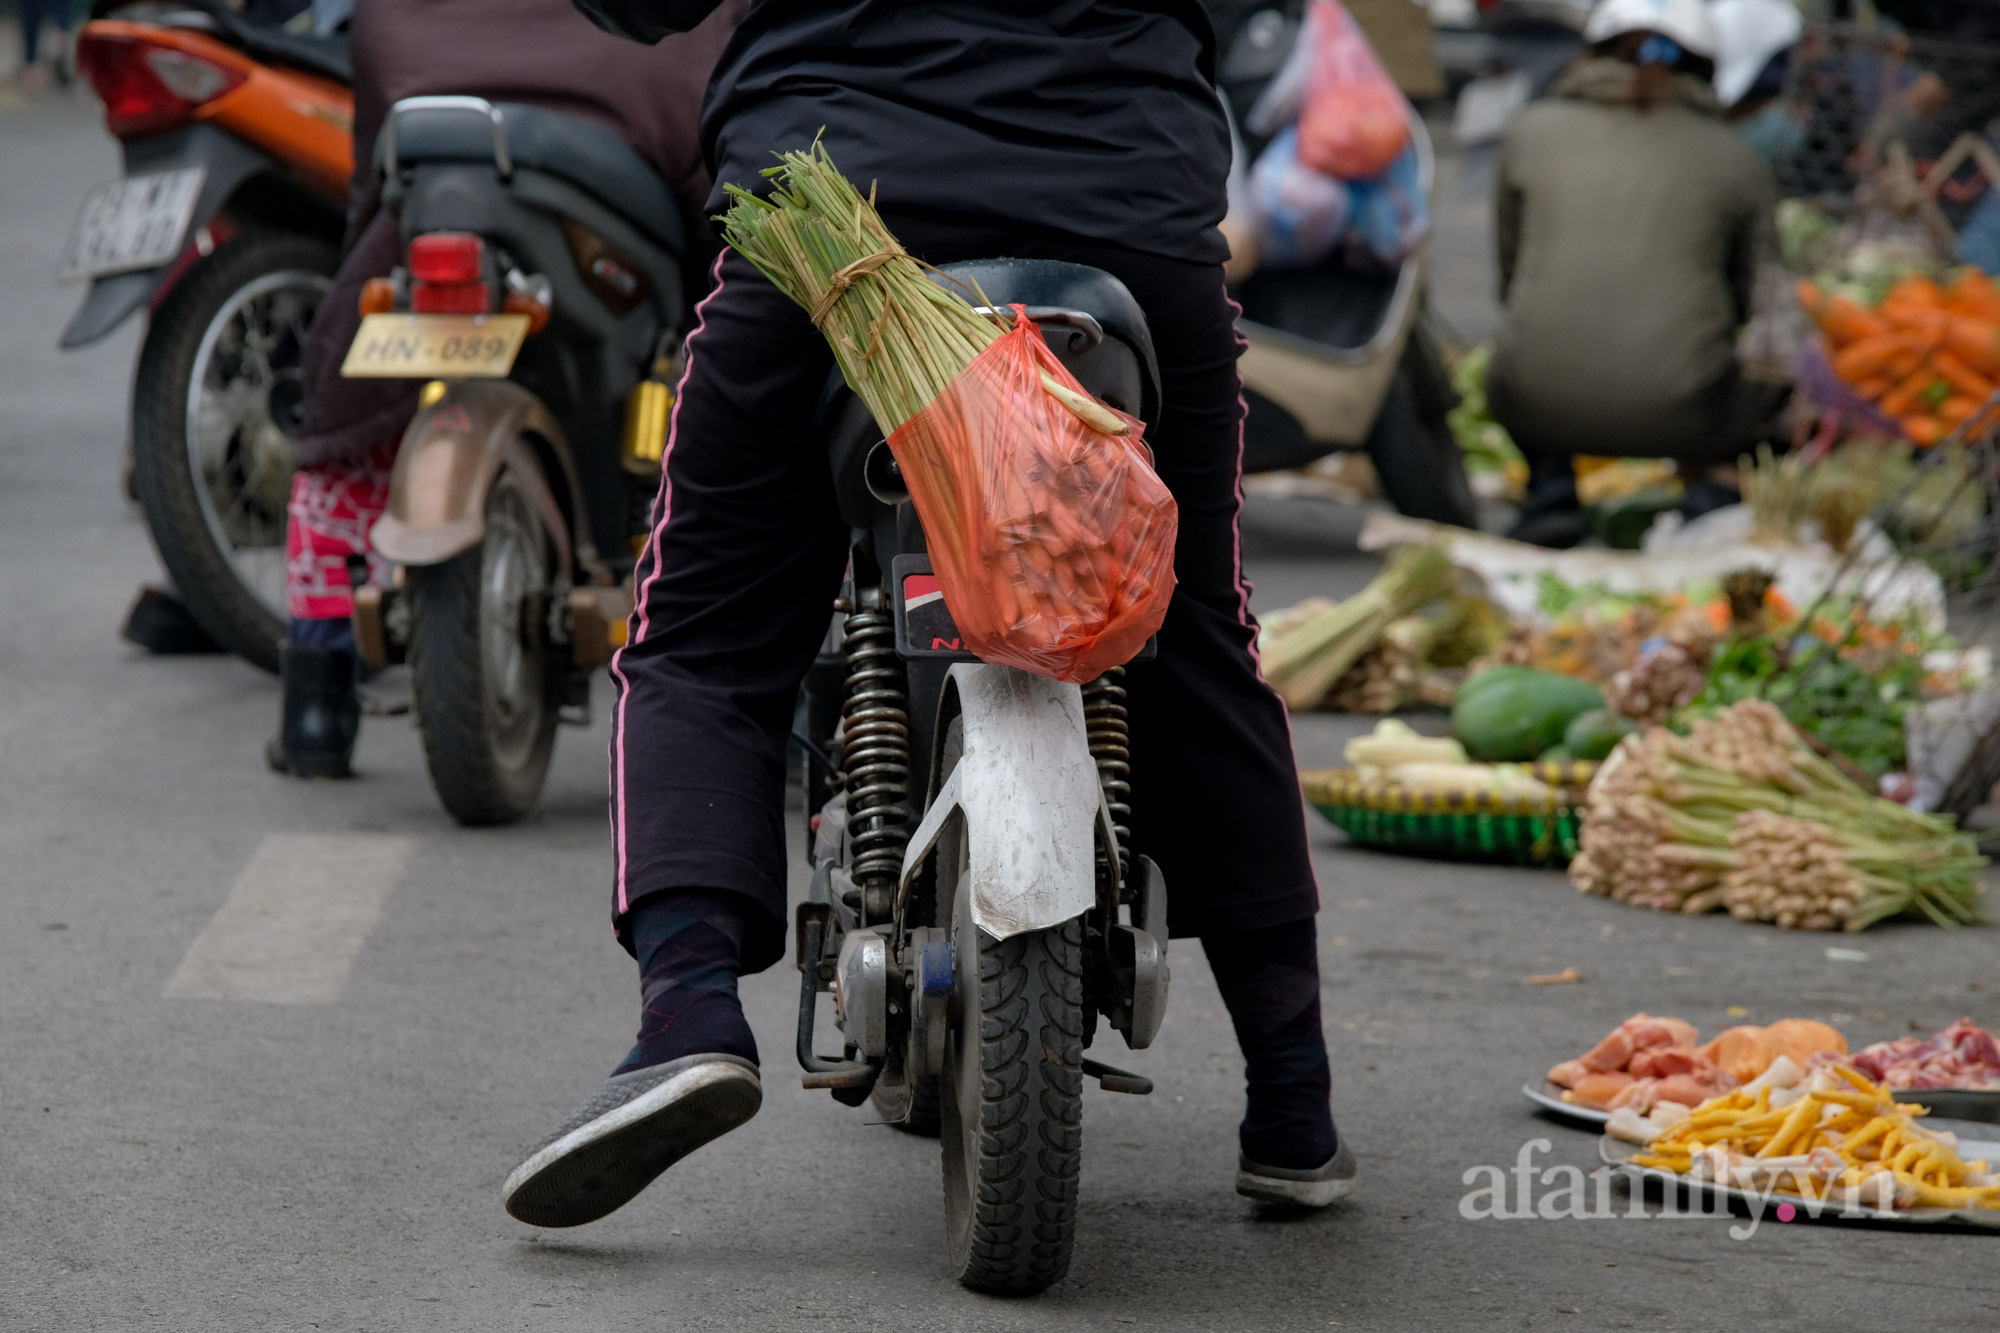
{"points": [[536, 51]]}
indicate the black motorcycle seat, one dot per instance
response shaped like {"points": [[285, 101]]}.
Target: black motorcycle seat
{"points": [[1066, 286], [589, 156]]}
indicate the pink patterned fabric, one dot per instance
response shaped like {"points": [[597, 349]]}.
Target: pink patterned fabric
{"points": [[333, 507]]}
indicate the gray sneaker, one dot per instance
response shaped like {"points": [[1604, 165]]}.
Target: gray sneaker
{"points": [[633, 1128], [1303, 1189]]}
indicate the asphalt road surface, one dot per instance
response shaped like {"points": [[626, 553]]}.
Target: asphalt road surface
{"points": [[268, 1049]]}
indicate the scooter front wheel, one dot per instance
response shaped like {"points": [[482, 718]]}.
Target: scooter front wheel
{"points": [[1011, 1101]]}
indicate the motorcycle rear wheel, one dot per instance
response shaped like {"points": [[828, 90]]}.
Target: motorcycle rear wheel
{"points": [[488, 692], [1011, 1098], [211, 467]]}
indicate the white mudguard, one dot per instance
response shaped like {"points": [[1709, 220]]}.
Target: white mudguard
{"points": [[1028, 790]]}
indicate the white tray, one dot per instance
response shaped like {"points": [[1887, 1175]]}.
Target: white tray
{"points": [[1549, 1097], [1616, 1152]]}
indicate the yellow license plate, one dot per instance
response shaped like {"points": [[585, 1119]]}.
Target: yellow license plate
{"points": [[435, 347]]}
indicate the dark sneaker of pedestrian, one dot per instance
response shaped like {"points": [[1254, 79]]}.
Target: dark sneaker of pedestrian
{"points": [[691, 1078]]}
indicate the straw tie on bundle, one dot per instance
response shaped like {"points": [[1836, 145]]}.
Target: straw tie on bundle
{"points": [[844, 279]]}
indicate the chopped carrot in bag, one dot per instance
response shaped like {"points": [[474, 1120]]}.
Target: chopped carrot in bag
{"points": [[1052, 537]]}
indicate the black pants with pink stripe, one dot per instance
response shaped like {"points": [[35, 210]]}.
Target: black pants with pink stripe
{"points": [[748, 552]]}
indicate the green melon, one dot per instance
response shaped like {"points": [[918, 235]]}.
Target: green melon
{"points": [[1513, 718]]}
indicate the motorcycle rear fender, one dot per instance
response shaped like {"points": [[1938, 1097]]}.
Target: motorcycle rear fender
{"points": [[1027, 790], [450, 454], [230, 163]]}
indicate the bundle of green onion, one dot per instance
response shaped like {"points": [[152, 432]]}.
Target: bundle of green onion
{"points": [[899, 337], [1304, 655], [1743, 815]]}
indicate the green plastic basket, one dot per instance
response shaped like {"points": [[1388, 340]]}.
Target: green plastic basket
{"points": [[1477, 826]]}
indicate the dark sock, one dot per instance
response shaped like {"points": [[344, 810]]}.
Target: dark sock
{"points": [[1270, 982], [690, 948], [335, 635]]}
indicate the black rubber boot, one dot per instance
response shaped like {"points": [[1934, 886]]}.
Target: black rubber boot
{"points": [[321, 717], [159, 623], [1551, 515]]}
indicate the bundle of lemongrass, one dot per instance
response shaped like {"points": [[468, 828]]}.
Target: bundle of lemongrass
{"points": [[1303, 655], [900, 337], [1743, 814]]}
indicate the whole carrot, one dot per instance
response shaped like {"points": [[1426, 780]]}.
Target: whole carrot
{"points": [[1961, 376]]}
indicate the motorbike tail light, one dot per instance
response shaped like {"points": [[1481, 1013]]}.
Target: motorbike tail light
{"points": [[447, 257], [191, 78], [450, 298], [525, 303], [378, 296], [446, 268], [147, 89]]}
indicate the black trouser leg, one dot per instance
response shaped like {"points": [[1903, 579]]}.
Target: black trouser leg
{"points": [[1269, 980]]}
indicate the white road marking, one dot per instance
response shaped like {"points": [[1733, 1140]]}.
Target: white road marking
{"points": [[290, 930]]}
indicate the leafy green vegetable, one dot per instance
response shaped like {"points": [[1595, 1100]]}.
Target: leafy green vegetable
{"points": [[1561, 600], [1827, 697], [1485, 442]]}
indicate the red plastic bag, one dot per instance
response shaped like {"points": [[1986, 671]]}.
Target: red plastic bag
{"points": [[1052, 540], [1354, 122]]}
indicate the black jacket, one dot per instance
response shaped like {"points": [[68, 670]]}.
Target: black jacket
{"points": [[1098, 118]]}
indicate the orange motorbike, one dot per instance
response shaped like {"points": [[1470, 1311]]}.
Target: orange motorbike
{"points": [[226, 224]]}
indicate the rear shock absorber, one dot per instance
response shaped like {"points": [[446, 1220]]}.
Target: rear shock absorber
{"points": [[1110, 735], [875, 753]]}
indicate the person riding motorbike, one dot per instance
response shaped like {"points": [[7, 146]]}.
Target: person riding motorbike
{"points": [[1081, 130], [535, 51], [1630, 217]]}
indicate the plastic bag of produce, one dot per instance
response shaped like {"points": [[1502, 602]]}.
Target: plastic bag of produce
{"points": [[1051, 535], [1391, 215], [1300, 212], [1353, 122]]}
